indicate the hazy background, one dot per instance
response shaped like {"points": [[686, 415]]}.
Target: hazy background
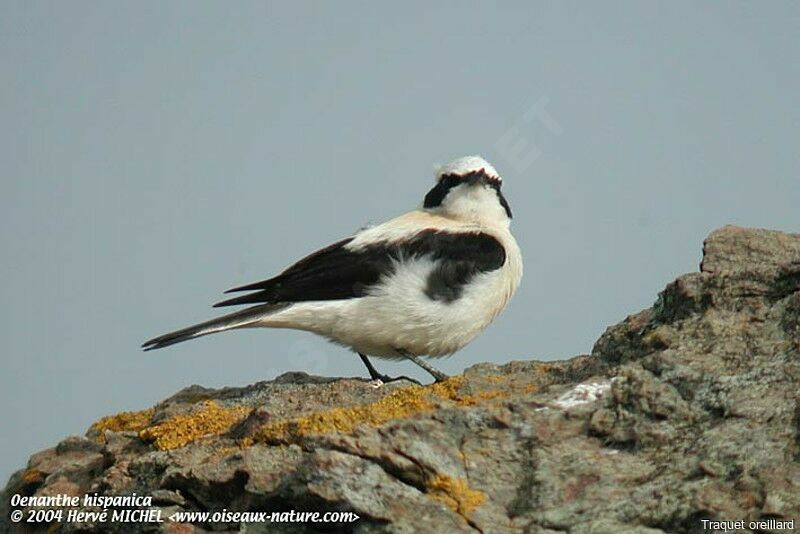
{"points": [[157, 153]]}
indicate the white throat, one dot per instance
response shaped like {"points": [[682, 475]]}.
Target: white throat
{"points": [[477, 204]]}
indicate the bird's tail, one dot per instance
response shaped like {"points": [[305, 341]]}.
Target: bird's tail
{"points": [[240, 319]]}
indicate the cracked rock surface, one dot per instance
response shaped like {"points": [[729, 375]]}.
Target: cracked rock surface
{"points": [[685, 411]]}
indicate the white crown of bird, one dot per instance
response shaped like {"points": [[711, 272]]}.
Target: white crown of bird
{"points": [[466, 165]]}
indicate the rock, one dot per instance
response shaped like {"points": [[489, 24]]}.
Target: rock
{"points": [[686, 411]]}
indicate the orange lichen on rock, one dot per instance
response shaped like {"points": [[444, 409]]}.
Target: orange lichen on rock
{"points": [[495, 379], [545, 368], [396, 405], [121, 422], [477, 398], [227, 451], [32, 476], [455, 493], [208, 419]]}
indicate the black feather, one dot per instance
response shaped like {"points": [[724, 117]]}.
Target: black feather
{"points": [[446, 182], [237, 319], [336, 272]]}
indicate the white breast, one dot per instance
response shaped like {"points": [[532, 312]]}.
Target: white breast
{"points": [[398, 316]]}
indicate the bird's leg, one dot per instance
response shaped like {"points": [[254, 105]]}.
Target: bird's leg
{"points": [[435, 373], [375, 375]]}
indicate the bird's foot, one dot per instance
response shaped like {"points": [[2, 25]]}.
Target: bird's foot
{"points": [[379, 379], [434, 372]]}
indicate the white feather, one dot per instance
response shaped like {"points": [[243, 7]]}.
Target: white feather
{"points": [[465, 165], [397, 315]]}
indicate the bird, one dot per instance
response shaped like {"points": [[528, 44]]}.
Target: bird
{"points": [[422, 284]]}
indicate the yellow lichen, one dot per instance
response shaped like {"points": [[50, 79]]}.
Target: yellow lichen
{"points": [[209, 418], [472, 400], [124, 421], [447, 389], [455, 493], [32, 476], [495, 379], [227, 451], [396, 405]]}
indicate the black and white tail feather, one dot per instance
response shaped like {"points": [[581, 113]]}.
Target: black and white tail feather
{"points": [[240, 319], [422, 284]]}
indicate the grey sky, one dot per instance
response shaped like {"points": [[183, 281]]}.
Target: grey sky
{"points": [[157, 153]]}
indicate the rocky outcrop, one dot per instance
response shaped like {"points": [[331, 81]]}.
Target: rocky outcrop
{"points": [[685, 411]]}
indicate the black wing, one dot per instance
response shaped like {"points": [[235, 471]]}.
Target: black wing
{"points": [[331, 273], [335, 272]]}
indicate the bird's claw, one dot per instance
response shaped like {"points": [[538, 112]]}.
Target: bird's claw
{"points": [[386, 379]]}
